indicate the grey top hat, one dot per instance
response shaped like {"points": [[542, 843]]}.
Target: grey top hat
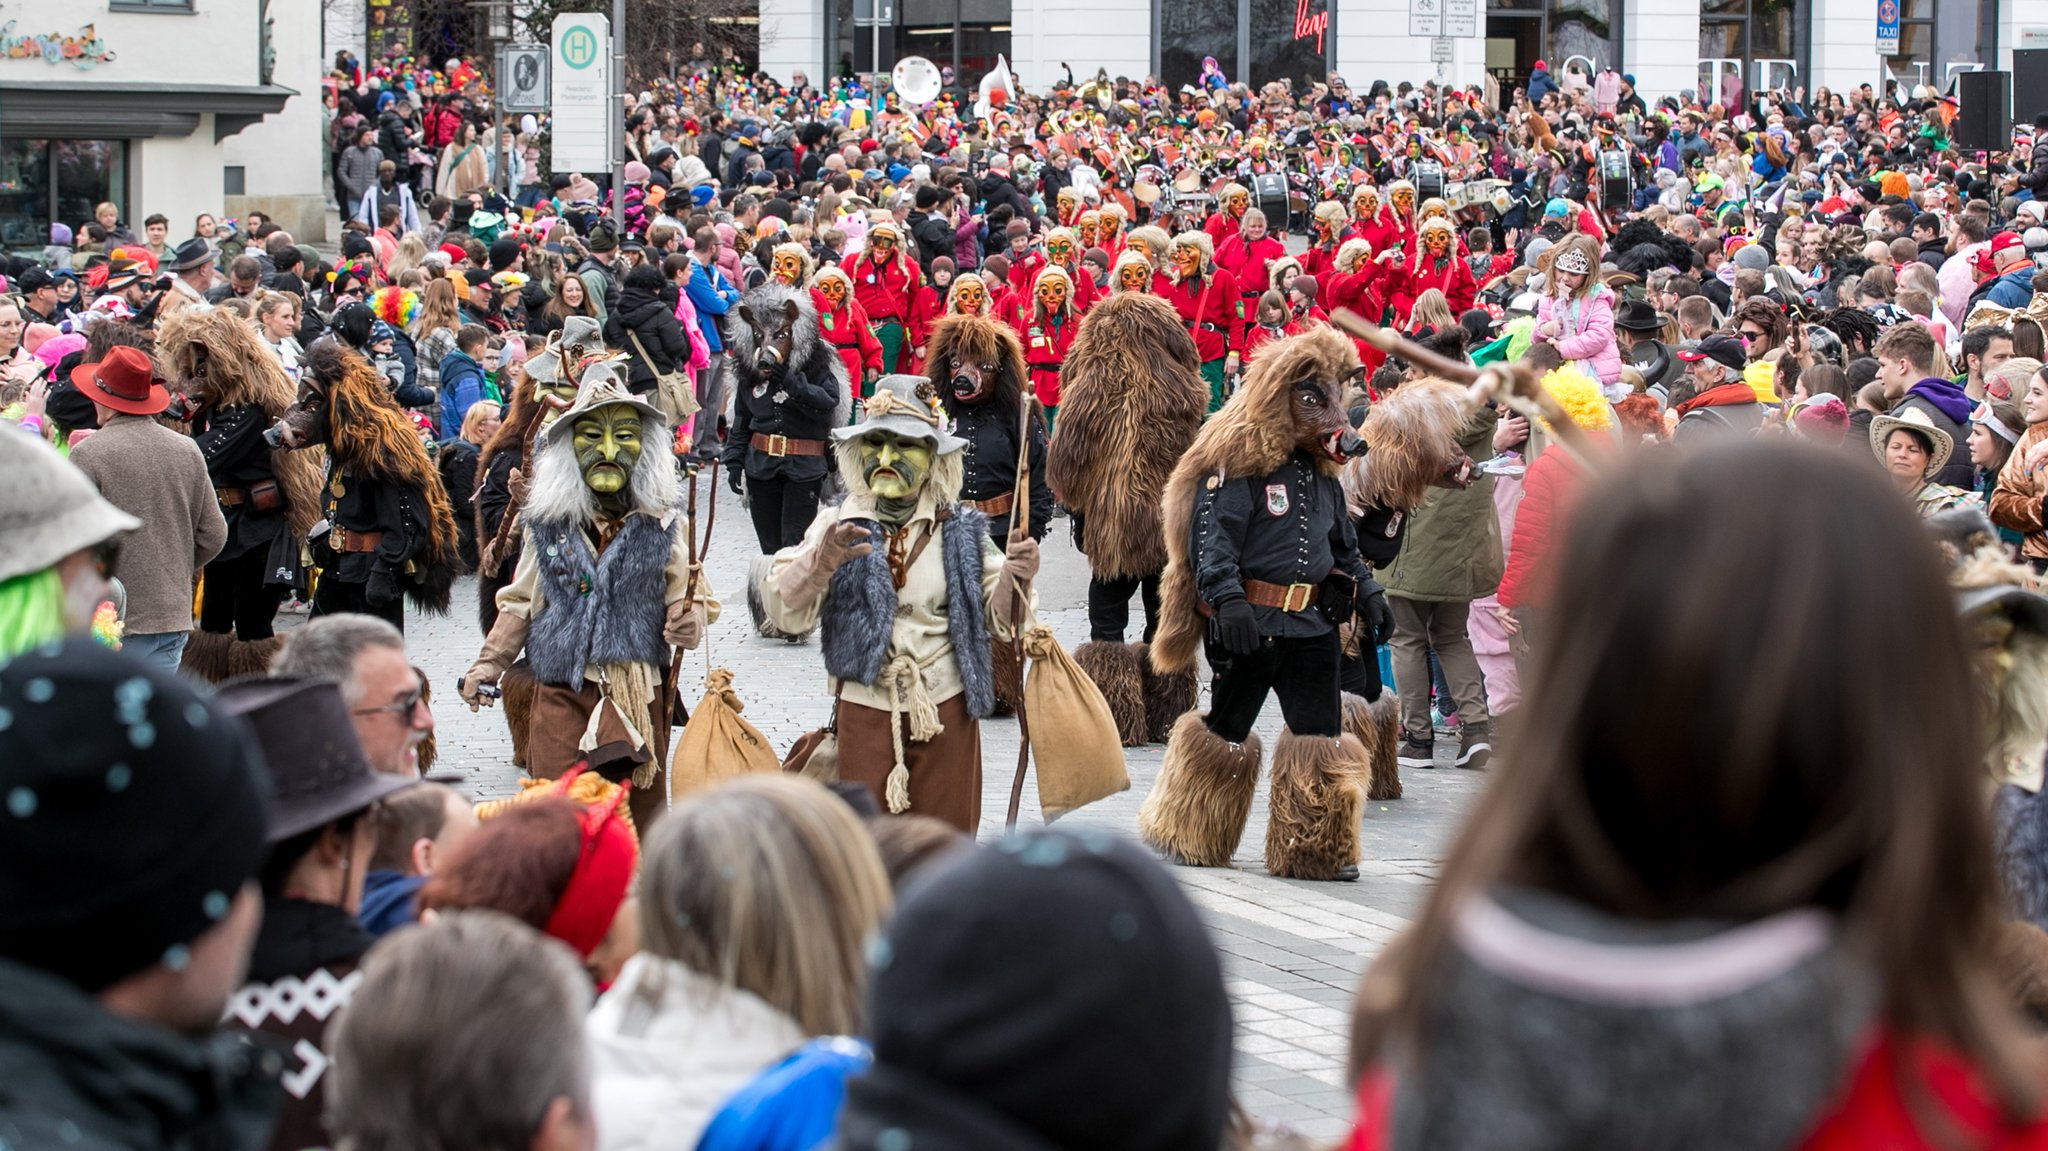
{"points": [[51, 509], [602, 388], [318, 772], [907, 406]]}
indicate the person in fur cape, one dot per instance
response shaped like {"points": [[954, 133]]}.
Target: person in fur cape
{"points": [[1263, 569], [604, 588], [910, 591], [1133, 400], [231, 388], [389, 531], [790, 391]]}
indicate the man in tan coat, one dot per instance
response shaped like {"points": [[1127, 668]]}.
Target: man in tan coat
{"points": [[159, 477]]}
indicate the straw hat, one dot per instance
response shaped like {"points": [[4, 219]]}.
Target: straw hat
{"points": [[1940, 443]]}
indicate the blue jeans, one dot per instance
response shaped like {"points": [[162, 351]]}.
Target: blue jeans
{"points": [[162, 648]]}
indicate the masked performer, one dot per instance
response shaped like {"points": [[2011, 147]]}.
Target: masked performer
{"points": [[1326, 229], [885, 281], [911, 591], [1437, 266], [232, 388], [968, 297], [387, 530], [1206, 298], [1370, 221], [1263, 557], [790, 265], [1132, 272], [1401, 215], [1134, 401], [1049, 327], [1223, 224], [1109, 229], [603, 589], [844, 324]]}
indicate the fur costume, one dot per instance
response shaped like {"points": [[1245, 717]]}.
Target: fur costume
{"points": [[218, 657], [861, 615], [1196, 811], [507, 449], [1131, 401], [1377, 726], [1312, 824], [1167, 694], [1411, 436], [368, 435], [808, 348], [1118, 675]]}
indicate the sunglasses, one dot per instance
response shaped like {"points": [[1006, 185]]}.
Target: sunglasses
{"points": [[403, 706]]}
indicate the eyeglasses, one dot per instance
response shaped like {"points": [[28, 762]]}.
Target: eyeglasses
{"points": [[403, 706]]}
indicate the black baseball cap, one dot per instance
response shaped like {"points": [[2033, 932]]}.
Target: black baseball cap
{"points": [[1721, 348]]}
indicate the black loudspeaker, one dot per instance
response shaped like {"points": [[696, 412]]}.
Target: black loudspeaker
{"points": [[1984, 118], [2029, 84]]}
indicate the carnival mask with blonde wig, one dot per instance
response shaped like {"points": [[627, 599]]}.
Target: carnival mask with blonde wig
{"points": [[1404, 200], [969, 297], [882, 244], [1089, 227], [1069, 205], [1107, 226], [1434, 207], [1052, 293], [1187, 260], [1365, 204], [1060, 249], [788, 268], [1237, 202], [1437, 241], [1134, 276], [834, 290]]}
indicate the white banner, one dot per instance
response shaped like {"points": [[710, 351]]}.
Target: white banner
{"points": [[580, 94]]}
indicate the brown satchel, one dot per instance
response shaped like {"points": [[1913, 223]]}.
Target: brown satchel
{"points": [[815, 754]]}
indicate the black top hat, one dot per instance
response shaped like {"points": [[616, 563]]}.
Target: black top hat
{"points": [[193, 253], [318, 772], [1638, 316]]}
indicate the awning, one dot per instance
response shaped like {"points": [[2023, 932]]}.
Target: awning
{"points": [[91, 111]]}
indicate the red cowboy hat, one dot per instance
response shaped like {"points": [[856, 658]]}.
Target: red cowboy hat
{"points": [[123, 382]]}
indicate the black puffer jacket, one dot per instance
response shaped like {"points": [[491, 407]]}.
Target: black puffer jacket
{"points": [[645, 314]]}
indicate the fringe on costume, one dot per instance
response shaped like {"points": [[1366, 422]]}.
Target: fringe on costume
{"points": [[1196, 811], [1377, 726], [1116, 674], [1168, 694], [1312, 827], [217, 657]]}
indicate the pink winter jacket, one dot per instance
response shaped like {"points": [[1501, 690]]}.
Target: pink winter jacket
{"points": [[1585, 332]]}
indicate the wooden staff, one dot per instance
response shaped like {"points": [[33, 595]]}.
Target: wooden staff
{"points": [[1020, 529], [1513, 385]]}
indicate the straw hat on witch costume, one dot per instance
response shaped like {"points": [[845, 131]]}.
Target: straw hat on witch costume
{"points": [[906, 406]]}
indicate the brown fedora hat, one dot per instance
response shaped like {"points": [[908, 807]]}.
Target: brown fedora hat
{"points": [[124, 382]]}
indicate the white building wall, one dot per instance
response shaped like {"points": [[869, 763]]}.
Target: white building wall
{"points": [[792, 38], [2015, 17], [1661, 45], [179, 176], [281, 155], [344, 24], [1844, 48], [1086, 34], [1373, 44]]}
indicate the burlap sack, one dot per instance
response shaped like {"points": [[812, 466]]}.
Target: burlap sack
{"points": [[1073, 739], [717, 744]]}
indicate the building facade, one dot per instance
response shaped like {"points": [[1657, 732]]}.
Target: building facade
{"points": [[1723, 49], [172, 106]]}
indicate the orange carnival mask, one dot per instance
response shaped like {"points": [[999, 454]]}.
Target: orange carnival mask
{"points": [[970, 298], [1437, 241], [882, 244], [1187, 260], [1366, 204], [834, 291], [1069, 208], [788, 268], [1107, 227], [1403, 201], [1089, 227], [1433, 208], [1060, 249], [1134, 277], [1237, 203], [1052, 294]]}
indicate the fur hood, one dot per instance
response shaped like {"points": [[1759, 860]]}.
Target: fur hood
{"points": [[978, 340], [1131, 401]]}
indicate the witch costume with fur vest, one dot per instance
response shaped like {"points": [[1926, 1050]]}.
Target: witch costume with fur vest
{"points": [[910, 592], [603, 590]]}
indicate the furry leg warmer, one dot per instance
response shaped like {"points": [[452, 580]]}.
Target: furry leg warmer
{"points": [[519, 688], [1006, 661], [1197, 808], [1312, 828], [1377, 726], [216, 657], [757, 570], [1117, 675], [1168, 695]]}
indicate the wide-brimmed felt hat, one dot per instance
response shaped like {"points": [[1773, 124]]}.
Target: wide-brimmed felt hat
{"points": [[602, 388], [318, 772], [193, 253], [1939, 443], [579, 336], [908, 407], [124, 381], [51, 509], [1638, 316]]}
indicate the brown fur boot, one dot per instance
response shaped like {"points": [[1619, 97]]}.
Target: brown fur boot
{"points": [[253, 657], [519, 688], [1007, 660], [1196, 811], [1378, 726], [206, 656], [1312, 828], [1117, 676], [1168, 695]]}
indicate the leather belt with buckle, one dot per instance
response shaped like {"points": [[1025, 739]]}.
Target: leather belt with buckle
{"points": [[999, 506], [345, 540], [1292, 597], [784, 446]]}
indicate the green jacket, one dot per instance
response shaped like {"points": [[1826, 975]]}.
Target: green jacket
{"points": [[1452, 550]]}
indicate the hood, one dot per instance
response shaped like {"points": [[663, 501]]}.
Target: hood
{"points": [[636, 307], [1947, 397], [1553, 1024]]}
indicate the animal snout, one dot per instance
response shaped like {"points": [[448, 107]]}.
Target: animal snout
{"points": [[1347, 444]]}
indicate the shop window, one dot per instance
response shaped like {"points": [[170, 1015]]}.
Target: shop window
{"points": [[149, 5], [1750, 46], [1252, 41], [42, 181], [1190, 30], [1577, 39]]}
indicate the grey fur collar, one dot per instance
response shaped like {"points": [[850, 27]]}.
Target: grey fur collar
{"points": [[859, 616], [598, 609]]}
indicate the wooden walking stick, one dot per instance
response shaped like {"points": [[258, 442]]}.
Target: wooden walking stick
{"points": [[1020, 528]]}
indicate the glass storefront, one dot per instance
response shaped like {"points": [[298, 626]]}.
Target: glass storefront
{"points": [[964, 35], [1749, 46], [1939, 39], [1576, 37], [1254, 41], [56, 180]]}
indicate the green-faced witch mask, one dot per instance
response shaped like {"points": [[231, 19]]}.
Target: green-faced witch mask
{"points": [[607, 441], [894, 468]]}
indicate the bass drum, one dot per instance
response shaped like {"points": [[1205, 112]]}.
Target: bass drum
{"points": [[1429, 180], [1269, 194]]}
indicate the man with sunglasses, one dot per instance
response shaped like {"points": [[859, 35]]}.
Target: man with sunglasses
{"points": [[386, 696]]}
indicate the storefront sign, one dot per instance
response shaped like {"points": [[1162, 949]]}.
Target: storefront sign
{"points": [[84, 50], [390, 35], [1887, 27], [1307, 24]]}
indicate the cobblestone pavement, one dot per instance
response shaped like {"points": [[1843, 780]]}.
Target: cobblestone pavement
{"points": [[1292, 951]]}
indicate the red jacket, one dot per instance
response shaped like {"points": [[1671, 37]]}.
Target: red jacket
{"points": [[1221, 228], [1251, 263], [1549, 489], [1024, 269], [1871, 1114], [848, 332], [886, 290], [1045, 348], [929, 308], [1320, 261], [1380, 231], [1450, 275], [1208, 308], [1257, 336]]}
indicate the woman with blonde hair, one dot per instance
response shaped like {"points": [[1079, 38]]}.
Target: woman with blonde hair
{"points": [[434, 331], [1431, 311], [409, 256], [757, 898], [277, 321]]}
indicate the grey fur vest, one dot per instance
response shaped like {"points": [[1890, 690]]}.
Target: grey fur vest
{"points": [[598, 609], [860, 610]]}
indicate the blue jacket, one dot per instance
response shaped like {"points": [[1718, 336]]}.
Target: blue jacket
{"points": [[2013, 289], [792, 1106], [713, 296], [388, 901], [462, 385]]}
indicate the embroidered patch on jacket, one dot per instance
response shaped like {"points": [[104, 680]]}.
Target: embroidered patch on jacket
{"points": [[1276, 499]]}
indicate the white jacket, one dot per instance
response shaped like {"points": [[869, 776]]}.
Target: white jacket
{"points": [[669, 1046]]}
